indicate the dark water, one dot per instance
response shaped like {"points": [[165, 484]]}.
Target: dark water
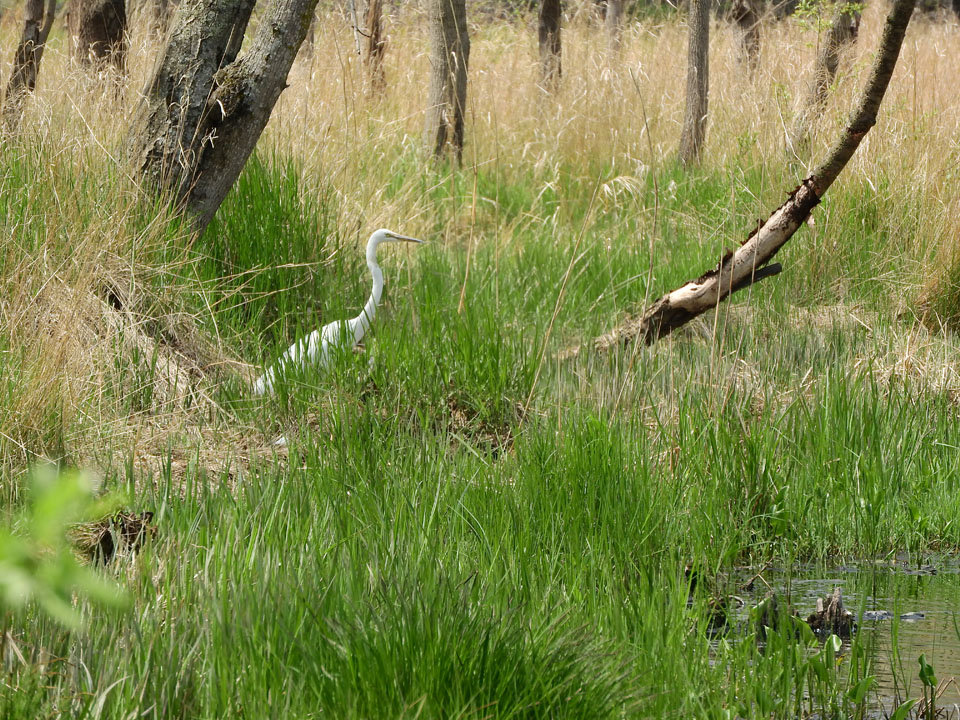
{"points": [[904, 610]]}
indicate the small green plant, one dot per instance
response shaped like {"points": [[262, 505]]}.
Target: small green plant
{"points": [[817, 14], [37, 563], [929, 681]]}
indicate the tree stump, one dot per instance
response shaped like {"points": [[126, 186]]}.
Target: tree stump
{"points": [[831, 618]]}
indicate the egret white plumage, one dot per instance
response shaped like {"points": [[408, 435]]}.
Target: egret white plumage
{"points": [[317, 347]]}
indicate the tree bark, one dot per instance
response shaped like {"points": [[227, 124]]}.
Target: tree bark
{"points": [[749, 263], [376, 46], [195, 95], [99, 30], [37, 21], [843, 31], [449, 56], [613, 24], [548, 27], [698, 72], [747, 15], [244, 94]]}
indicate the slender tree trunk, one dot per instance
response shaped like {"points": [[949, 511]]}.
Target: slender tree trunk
{"points": [[549, 36], [99, 29], [449, 57], [355, 24], [376, 45], [749, 263], [37, 21], [747, 15], [698, 73], [843, 31], [613, 24], [205, 107]]}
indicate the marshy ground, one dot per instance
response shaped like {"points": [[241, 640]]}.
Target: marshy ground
{"points": [[468, 520]]}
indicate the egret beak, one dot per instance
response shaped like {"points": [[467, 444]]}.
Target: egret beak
{"points": [[404, 238]]}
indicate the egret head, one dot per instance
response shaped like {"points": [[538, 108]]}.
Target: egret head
{"points": [[384, 235]]}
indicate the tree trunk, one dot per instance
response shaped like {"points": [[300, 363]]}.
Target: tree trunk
{"points": [[549, 36], [613, 23], [205, 107], [842, 32], [748, 263], [99, 30], [375, 46], [37, 21], [695, 114], [449, 56], [747, 15], [956, 7]]}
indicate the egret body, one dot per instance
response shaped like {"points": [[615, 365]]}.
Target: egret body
{"points": [[317, 347]]}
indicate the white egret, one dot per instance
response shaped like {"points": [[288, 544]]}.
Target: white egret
{"points": [[318, 347]]}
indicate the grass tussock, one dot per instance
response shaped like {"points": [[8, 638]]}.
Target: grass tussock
{"points": [[465, 520]]}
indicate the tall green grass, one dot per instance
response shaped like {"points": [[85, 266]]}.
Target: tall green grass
{"points": [[434, 546], [468, 523]]}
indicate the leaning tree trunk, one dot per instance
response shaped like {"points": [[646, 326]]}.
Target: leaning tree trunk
{"points": [[376, 46], [205, 107], [613, 24], [843, 31], [747, 15], [37, 21], [99, 29], [549, 37], [695, 114], [749, 263], [449, 56]]}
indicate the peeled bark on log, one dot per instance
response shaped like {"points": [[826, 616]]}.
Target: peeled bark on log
{"points": [[747, 15], [376, 46], [698, 72], [449, 57], [548, 30], [843, 31], [746, 265], [37, 21]]}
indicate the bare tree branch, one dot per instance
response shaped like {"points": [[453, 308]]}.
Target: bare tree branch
{"points": [[743, 266]]}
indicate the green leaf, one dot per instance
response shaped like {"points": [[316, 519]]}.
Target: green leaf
{"points": [[820, 668], [859, 691], [834, 643], [38, 564], [807, 636], [903, 711], [927, 676]]}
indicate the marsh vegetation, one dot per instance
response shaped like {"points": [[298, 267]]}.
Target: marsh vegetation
{"points": [[469, 518]]}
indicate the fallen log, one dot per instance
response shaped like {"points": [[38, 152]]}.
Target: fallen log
{"points": [[749, 263]]}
